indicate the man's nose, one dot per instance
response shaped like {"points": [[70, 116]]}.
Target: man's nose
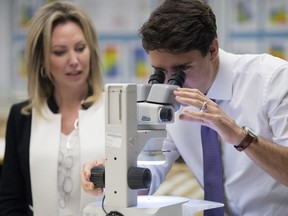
{"points": [[167, 76]]}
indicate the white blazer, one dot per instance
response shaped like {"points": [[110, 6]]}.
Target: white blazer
{"points": [[44, 149]]}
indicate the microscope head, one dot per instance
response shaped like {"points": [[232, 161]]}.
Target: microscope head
{"points": [[156, 101]]}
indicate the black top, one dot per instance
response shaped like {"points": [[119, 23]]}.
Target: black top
{"points": [[15, 185]]}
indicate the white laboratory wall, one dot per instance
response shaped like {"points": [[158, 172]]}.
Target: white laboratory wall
{"points": [[253, 26], [5, 47], [117, 23], [244, 26], [5, 54]]}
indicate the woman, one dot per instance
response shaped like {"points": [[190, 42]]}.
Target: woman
{"points": [[61, 126]]}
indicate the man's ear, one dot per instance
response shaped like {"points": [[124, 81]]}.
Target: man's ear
{"points": [[214, 49]]}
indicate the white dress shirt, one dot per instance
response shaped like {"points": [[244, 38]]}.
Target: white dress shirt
{"points": [[252, 90]]}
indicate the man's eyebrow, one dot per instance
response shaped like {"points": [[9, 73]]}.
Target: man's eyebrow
{"points": [[159, 68], [174, 66], [181, 65]]}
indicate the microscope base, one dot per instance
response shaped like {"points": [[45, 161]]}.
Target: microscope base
{"points": [[156, 206]]}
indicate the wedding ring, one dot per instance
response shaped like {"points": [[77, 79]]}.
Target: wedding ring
{"points": [[76, 123], [203, 107]]}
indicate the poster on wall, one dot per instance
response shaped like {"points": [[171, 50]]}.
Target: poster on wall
{"points": [[244, 15], [111, 54], [124, 62], [277, 47], [117, 23], [276, 16], [257, 26], [140, 65], [141, 68], [23, 11], [118, 16]]}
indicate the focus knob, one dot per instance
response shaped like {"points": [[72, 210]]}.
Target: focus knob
{"points": [[98, 176], [139, 178]]}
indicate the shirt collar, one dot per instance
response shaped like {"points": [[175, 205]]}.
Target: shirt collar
{"points": [[221, 88], [55, 109]]}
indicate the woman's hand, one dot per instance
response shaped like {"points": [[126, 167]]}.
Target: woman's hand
{"points": [[85, 175]]}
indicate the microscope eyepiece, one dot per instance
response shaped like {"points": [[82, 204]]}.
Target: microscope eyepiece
{"points": [[177, 78], [157, 77]]}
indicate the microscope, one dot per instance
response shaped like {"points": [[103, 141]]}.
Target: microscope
{"points": [[135, 126]]}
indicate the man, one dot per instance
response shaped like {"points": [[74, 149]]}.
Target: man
{"points": [[231, 91], [235, 91]]}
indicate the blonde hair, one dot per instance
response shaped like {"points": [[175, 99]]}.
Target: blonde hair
{"points": [[37, 51]]}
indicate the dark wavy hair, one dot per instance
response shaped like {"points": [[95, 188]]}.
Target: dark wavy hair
{"points": [[179, 26]]}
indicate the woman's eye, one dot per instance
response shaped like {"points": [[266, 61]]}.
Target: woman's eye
{"points": [[80, 49], [59, 53]]}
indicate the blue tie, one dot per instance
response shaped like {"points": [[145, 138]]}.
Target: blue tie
{"points": [[213, 172]]}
